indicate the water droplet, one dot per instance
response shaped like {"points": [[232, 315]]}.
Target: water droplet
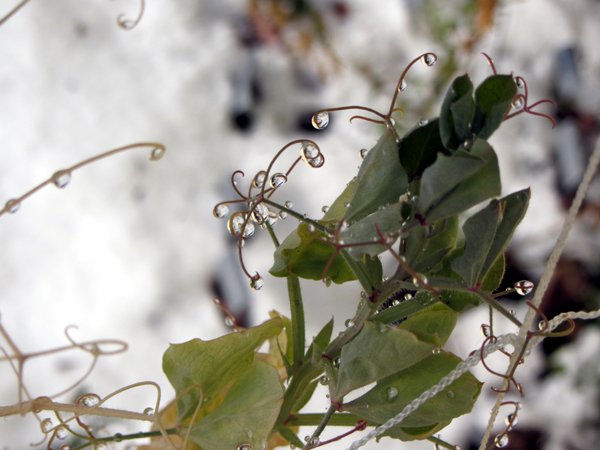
{"points": [[277, 180], [408, 296], [518, 102], [282, 214], [89, 400], [450, 394], [260, 213], [324, 380], [343, 225], [363, 152], [336, 362], [485, 330], [423, 122], [12, 206], [383, 328], [244, 446], [289, 205], [220, 211], [467, 143], [61, 178], [523, 287], [229, 322], [149, 411], [61, 433], [402, 86], [509, 348], [238, 227], [436, 350], [324, 209], [157, 153], [46, 425], [429, 59], [311, 228], [349, 323], [395, 302], [309, 151], [519, 82], [259, 179], [511, 420], [320, 120], [501, 440], [391, 393], [257, 282], [420, 280], [68, 447], [317, 161]]}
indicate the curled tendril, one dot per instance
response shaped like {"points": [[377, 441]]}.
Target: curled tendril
{"points": [[385, 119], [509, 376], [130, 24], [62, 177], [523, 99], [13, 11], [261, 188]]}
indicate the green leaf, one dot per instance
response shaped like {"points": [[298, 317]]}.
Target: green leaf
{"points": [[455, 183], [492, 279], [487, 233], [432, 325], [304, 254], [319, 343], [389, 221], [427, 246], [206, 370], [493, 99], [421, 300], [246, 415], [419, 148], [458, 110], [376, 352], [380, 180], [391, 395], [459, 300]]}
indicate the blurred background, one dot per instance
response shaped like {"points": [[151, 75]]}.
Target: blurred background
{"points": [[130, 249]]}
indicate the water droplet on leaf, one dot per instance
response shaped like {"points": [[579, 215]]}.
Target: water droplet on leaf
{"points": [[220, 211], [349, 323], [324, 209], [408, 296], [320, 120], [391, 393], [523, 287], [436, 350], [429, 59], [61, 178], [450, 394], [244, 446]]}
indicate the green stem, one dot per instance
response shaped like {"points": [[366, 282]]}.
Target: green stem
{"points": [[297, 215], [441, 443], [311, 419], [496, 305], [322, 424], [297, 311], [127, 437], [299, 383]]}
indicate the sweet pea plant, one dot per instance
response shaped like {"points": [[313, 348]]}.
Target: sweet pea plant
{"points": [[405, 201]]}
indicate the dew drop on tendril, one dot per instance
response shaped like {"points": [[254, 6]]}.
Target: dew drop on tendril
{"points": [[402, 86], [349, 323], [149, 411], [391, 393], [363, 152], [89, 400], [501, 440], [309, 151], [485, 330], [260, 213], [317, 161], [320, 120], [518, 103], [282, 215], [61, 433], [519, 82], [257, 282], [259, 179], [220, 211], [289, 205], [12, 206], [157, 153], [229, 322], [324, 380], [511, 420], [61, 178], [429, 59], [46, 425], [277, 180], [523, 287]]}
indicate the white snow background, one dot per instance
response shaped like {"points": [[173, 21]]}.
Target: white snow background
{"points": [[127, 250]]}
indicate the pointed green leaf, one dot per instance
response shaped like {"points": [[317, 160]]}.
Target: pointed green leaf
{"points": [[458, 110], [380, 180], [305, 254], [391, 395], [487, 233], [459, 300], [457, 182], [387, 219], [376, 352], [419, 148], [206, 370], [246, 415], [493, 99], [421, 300], [319, 343], [427, 246], [432, 325]]}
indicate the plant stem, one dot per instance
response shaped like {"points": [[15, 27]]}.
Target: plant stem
{"points": [[297, 312], [128, 437], [324, 421], [297, 215], [496, 305], [336, 420]]}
